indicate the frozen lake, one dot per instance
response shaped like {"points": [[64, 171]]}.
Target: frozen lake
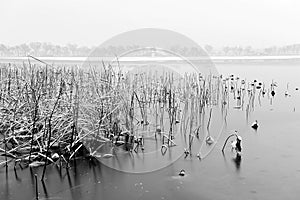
{"points": [[269, 167]]}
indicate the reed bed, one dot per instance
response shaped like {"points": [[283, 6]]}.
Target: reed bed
{"points": [[53, 114]]}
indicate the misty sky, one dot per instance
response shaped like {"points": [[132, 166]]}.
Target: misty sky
{"points": [[260, 23]]}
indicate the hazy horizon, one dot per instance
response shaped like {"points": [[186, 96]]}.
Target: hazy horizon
{"points": [[259, 23]]}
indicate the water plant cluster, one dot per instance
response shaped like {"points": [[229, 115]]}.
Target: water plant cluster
{"points": [[53, 114]]}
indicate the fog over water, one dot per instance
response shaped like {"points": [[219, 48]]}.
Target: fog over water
{"points": [[259, 23]]}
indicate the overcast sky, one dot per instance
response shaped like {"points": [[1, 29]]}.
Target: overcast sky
{"points": [[259, 23]]}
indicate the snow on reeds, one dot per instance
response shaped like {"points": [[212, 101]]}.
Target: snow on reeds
{"points": [[48, 110]]}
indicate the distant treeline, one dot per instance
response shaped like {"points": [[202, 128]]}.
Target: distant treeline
{"points": [[48, 49]]}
